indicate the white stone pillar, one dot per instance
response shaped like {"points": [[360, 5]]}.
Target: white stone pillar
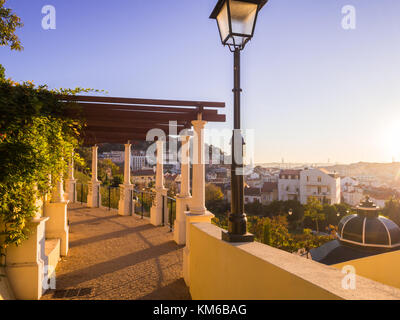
{"points": [[94, 185], [184, 197], [56, 211], [70, 183], [160, 165], [57, 194], [198, 211], [198, 185], [156, 211], [125, 205]]}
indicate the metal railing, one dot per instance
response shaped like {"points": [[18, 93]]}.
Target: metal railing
{"points": [[82, 191], [110, 196], [143, 201], [171, 207]]}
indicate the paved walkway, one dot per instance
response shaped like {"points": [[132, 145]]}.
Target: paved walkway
{"points": [[114, 257]]}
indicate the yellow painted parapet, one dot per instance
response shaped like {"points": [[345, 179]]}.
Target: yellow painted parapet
{"points": [[57, 225], [383, 268], [222, 270], [25, 263]]}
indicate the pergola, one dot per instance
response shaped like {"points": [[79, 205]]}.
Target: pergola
{"points": [[122, 120], [118, 120]]}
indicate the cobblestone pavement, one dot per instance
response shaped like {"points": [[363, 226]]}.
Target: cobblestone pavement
{"points": [[118, 257]]}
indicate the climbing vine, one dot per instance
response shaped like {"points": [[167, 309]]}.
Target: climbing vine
{"points": [[36, 139]]}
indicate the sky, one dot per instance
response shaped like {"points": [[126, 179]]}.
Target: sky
{"points": [[312, 90]]}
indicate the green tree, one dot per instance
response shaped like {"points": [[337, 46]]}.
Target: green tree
{"points": [[117, 180], [313, 210], [254, 208], [9, 22], [330, 212], [2, 73], [392, 210], [215, 201], [107, 169], [213, 192], [36, 139]]}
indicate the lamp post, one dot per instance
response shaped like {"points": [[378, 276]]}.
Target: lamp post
{"points": [[236, 20]]}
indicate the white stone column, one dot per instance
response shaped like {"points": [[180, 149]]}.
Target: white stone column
{"points": [[70, 183], [184, 197], [198, 185], [198, 211], [156, 211], [125, 205], [94, 185], [56, 211]]}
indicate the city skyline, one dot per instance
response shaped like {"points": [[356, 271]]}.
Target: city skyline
{"points": [[312, 90]]}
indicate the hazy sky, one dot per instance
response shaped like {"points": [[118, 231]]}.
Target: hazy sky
{"points": [[312, 91]]}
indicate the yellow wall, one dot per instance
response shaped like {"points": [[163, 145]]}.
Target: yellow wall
{"points": [[221, 270], [384, 268]]}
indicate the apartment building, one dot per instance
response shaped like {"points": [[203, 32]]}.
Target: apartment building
{"points": [[269, 192], [319, 183], [138, 162], [289, 185], [302, 184]]}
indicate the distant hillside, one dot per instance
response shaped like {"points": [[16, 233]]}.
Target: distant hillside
{"points": [[389, 172]]}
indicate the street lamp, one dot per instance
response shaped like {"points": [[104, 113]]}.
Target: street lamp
{"points": [[236, 20], [290, 212]]}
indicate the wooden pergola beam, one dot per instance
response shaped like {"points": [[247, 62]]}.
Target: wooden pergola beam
{"points": [[117, 120], [123, 123], [113, 106], [97, 130], [183, 103], [138, 115]]}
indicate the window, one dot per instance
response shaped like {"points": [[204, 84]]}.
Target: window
{"points": [[319, 179], [308, 179], [319, 190]]}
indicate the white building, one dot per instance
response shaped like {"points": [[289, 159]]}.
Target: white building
{"points": [[302, 184], [269, 192], [321, 184], [252, 195], [354, 196], [379, 202], [348, 183], [114, 156], [289, 185], [138, 162]]}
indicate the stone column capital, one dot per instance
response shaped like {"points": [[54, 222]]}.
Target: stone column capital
{"points": [[199, 124]]}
